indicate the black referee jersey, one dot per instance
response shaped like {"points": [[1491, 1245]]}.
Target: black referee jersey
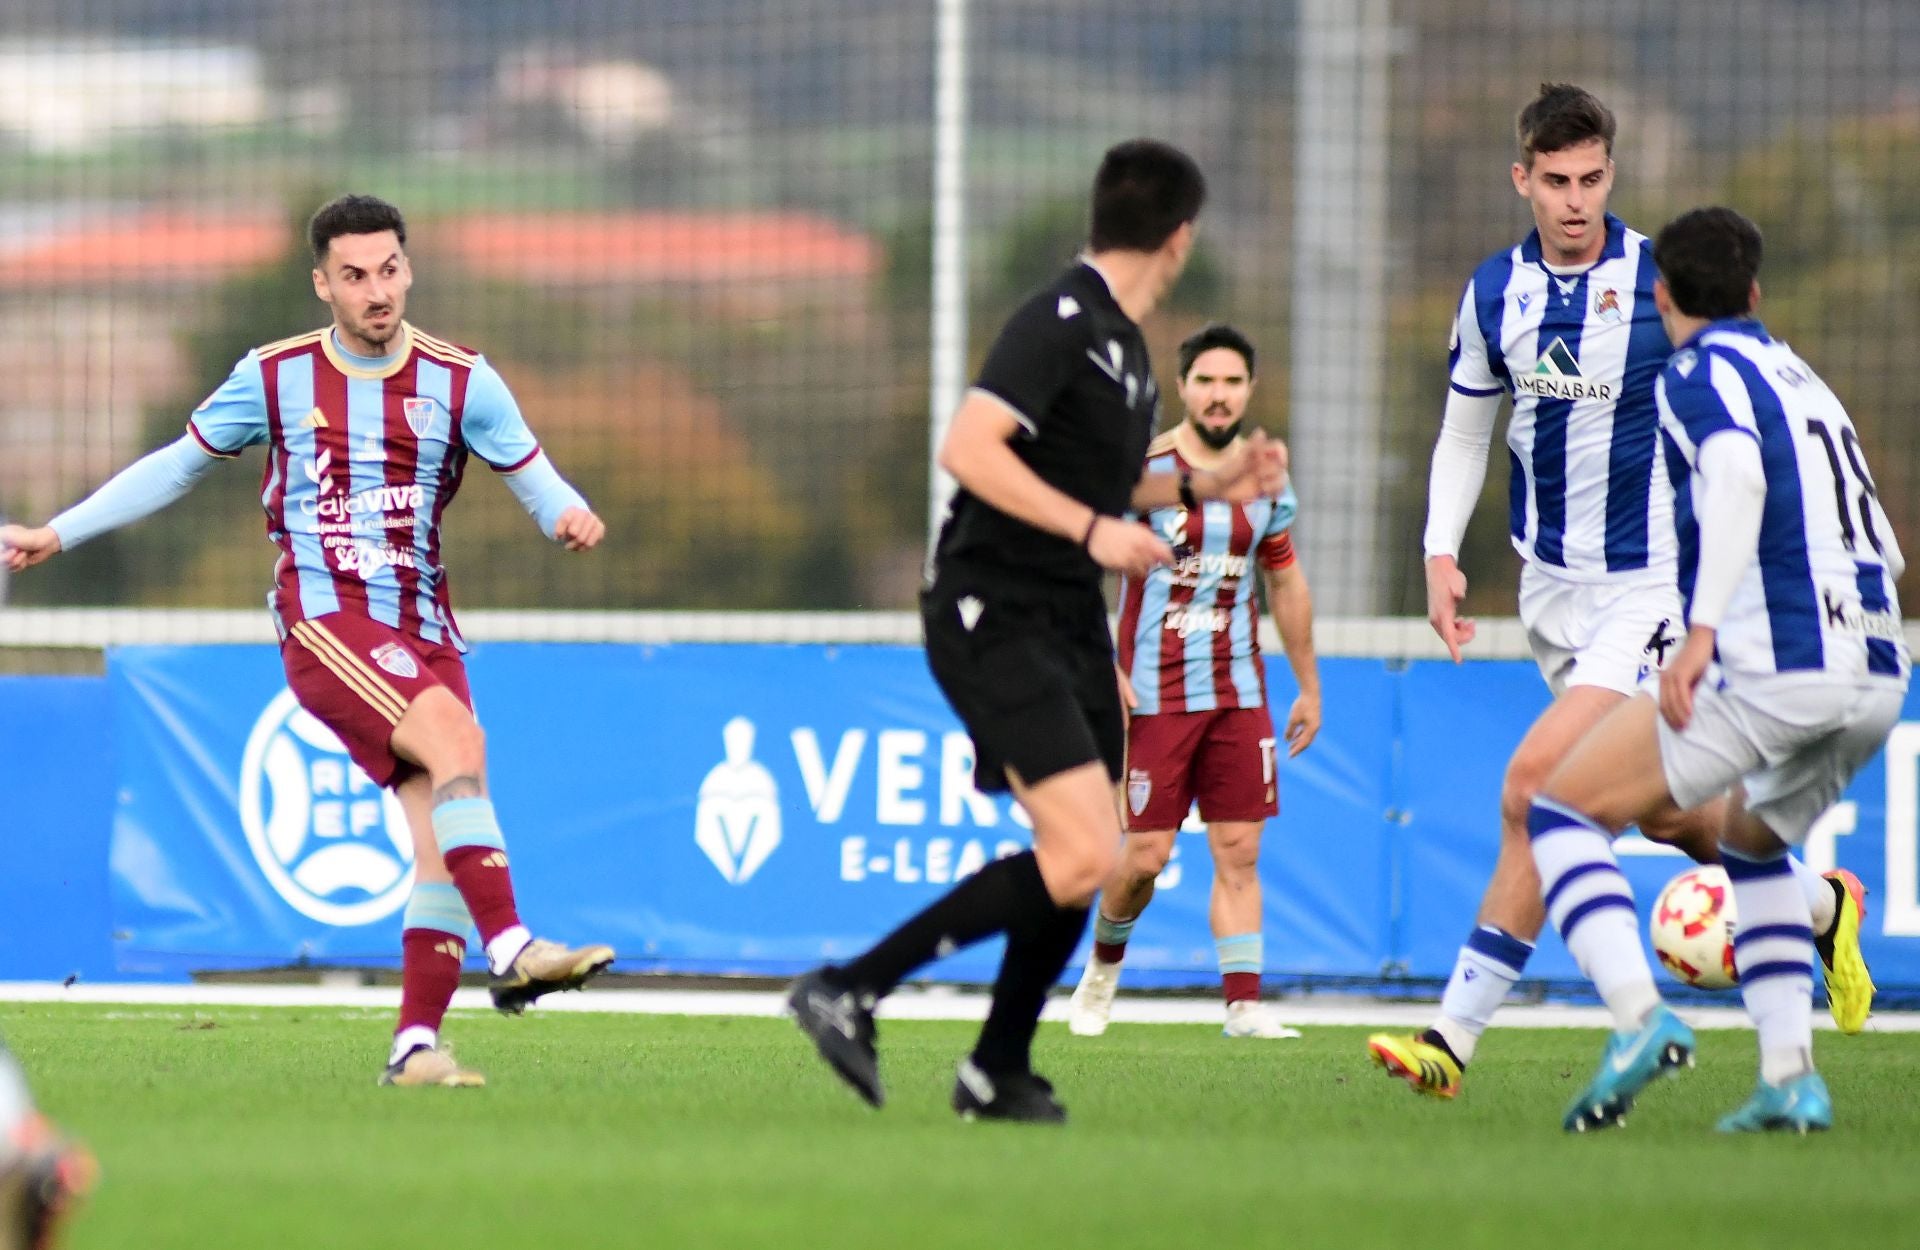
{"points": [[1072, 369]]}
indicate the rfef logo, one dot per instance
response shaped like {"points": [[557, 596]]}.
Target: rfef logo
{"points": [[330, 842]]}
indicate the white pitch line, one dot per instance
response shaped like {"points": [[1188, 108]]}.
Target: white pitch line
{"points": [[909, 1004]]}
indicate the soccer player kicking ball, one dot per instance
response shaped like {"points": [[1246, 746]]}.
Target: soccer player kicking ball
{"points": [[1192, 673], [1792, 675], [368, 424], [1048, 449], [1565, 324]]}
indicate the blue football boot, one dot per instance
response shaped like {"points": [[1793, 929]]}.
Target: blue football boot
{"points": [[1632, 1061], [1802, 1106]]}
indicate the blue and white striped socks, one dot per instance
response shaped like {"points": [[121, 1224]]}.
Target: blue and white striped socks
{"points": [[1773, 949], [1488, 965], [1591, 904]]}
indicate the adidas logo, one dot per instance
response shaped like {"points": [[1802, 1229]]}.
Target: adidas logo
{"points": [[451, 949], [495, 859], [1557, 376], [315, 420]]}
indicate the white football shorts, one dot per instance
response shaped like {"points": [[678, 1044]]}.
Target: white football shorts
{"points": [[1796, 740], [1607, 634]]}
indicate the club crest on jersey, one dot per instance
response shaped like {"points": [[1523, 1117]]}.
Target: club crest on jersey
{"points": [[396, 659], [1139, 789], [1558, 376], [419, 412], [1606, 306]]}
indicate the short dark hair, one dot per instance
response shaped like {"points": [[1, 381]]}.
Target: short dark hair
{"points": [[1562, 116], [1206, 338], [1145, 191], [1709, 258], [352, 214]]}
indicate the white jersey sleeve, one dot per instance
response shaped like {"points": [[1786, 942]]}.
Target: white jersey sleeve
{"points": [[1469, 368], [1731, 497], [1459, 469]]}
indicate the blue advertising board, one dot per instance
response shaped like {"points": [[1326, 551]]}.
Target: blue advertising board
{"points": [[756, 809], [701, 807]]}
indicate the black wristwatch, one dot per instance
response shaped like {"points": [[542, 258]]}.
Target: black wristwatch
{"points": [[1188, 500]]}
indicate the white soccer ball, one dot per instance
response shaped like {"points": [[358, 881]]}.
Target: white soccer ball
{"points": [[1692, 928]]}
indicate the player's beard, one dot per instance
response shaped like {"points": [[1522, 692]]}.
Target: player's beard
{"points": [[377, 336], [1217, 439]]}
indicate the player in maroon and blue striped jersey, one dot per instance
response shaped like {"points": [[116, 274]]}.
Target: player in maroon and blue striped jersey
{"points": [[1192, 674], [368, 424]]}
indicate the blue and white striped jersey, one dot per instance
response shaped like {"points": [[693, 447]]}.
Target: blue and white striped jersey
{"points": [[1578, 352], [1820, 596]]}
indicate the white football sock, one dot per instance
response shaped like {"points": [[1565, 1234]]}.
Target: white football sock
{"points": [[505, 946], [1819, 891], [1486, 968], [1591, 904], [406, 1039], [1773, 949]]}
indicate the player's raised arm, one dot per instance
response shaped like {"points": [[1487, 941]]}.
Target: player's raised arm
{"points": [[1458, 471], [219, 429], [1255, 468], [496, 432]]}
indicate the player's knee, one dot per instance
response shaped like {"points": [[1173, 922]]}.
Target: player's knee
{"points": [[1083, 870], [470, 746], [447, 739], [1522, 785], [1236, 856], [1146, 857]]}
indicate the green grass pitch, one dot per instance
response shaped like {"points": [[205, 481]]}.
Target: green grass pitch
{"points": [[264, 1128]]}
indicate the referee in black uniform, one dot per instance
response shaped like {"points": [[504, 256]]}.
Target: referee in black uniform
{"points": [[1048, 450]]}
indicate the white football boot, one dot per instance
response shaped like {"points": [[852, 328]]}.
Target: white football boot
{"points": [[1255, 1019], [1092, 1004]]}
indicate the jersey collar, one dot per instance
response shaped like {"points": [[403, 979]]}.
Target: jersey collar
{"points": [[1086, 258], [360, 366], [1747, 327], [1616, 247]]}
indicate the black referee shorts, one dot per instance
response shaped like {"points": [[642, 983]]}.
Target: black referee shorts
{"points": [[1032, 680]]}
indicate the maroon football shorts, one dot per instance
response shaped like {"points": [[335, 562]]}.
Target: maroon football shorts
{"points": [[358, 677], [1224, 758]]}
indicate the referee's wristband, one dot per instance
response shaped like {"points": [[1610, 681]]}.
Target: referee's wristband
{"points": [[1188, 500], [1086, 539]]}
